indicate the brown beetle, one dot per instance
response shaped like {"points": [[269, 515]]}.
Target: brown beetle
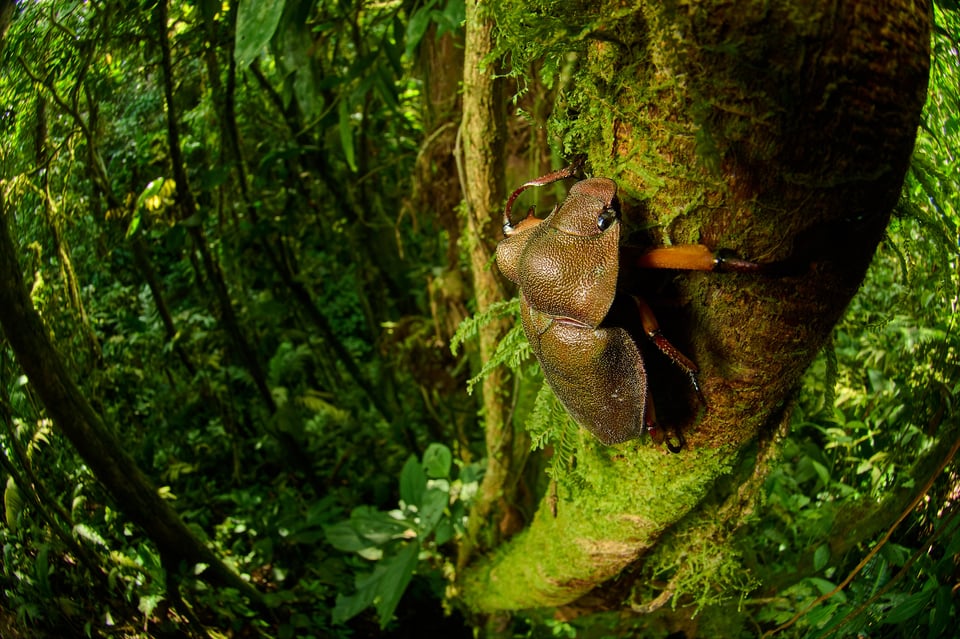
{"points": [[567, 266]]}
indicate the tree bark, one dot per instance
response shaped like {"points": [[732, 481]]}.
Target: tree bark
{"points": [[482, 132], [782, 133], [188, 206]]}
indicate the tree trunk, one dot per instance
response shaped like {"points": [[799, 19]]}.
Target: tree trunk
{"points": [[188, 206], [482, 132], [781, 132]]}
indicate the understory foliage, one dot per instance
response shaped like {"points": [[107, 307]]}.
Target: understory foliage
{"points": [[261, 331], [269, 333]]}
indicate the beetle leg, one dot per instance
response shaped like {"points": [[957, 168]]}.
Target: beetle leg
{"points": [[676, 448], [650, 421], [695, 257], [549, 178], [652, 329]]}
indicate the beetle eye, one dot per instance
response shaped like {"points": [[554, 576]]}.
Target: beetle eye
{"points": [[607, 217]]}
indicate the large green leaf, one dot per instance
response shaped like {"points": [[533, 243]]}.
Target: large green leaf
{"points": [[256, 24], [381, 588]]}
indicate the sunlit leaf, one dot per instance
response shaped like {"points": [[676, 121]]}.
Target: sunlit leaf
{"points": [[256, 23], [437, 461]]}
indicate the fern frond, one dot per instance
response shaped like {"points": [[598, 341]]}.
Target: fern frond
{"points": [[512, 351], [551, 424], [470, 327]]}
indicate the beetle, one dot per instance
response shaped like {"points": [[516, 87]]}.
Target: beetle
{"points": [[567, 268]]}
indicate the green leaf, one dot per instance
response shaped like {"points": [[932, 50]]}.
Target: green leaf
{"points": [[256, 23], [910, 606], [134, 223], [942, 608], [452, 16], [152, 190], [13, 504], [822, 472], [896, 554], [346, 134], [86, 532], [512, 350], [417, 26], [437, 460], [381, 588], [821, 556], [377, 526], [148, 603], [823, 587], [349, 606], [434, 504], [444, 532], [413, 482], [470, 326], [397, 572], [41, 569], [343, 537]]}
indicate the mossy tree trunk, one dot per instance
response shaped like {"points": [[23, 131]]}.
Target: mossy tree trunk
{"points": [[482, 138], [781, 132]]}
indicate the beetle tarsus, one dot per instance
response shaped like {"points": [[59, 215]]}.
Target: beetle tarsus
{"points": [[725, 261]]}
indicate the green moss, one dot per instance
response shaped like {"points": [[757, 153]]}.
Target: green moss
{"points": [[599, 527], [701, 569]]}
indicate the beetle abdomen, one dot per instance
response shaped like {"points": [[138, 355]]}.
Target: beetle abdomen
{"points": [[597, 373]]}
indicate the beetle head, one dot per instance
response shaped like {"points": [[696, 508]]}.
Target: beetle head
{"points": [[591, 208]]}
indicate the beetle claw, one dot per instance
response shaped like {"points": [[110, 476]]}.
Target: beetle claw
{"points": [[681, 442]]}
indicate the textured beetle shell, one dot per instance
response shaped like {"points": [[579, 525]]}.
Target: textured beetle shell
{"points": [[510, 248], [571, 276], [597, 373]]}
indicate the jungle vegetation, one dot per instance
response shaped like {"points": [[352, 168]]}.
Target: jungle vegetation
{"points": [[260, 376]]}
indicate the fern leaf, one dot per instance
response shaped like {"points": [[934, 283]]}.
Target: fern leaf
{"points": [[470, 327]]}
